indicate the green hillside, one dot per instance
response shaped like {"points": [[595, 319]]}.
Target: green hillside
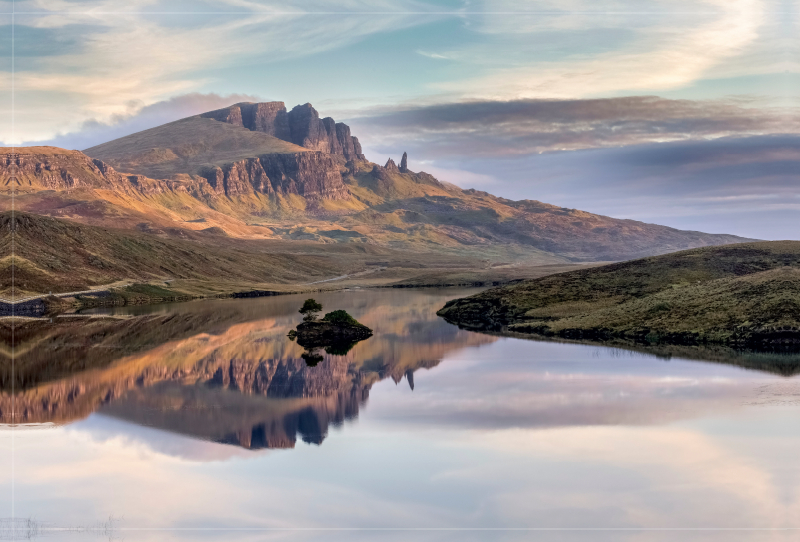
{"points": [[745, 294]]}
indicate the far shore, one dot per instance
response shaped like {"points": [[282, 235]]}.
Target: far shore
{"points": [[168, 290]]}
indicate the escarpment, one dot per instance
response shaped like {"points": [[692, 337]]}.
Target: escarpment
{"points": [[268, 117], [245, 150], [32, 169], [259, 170], [301, 126], [316, 176], [326, 135], [313, 175]]}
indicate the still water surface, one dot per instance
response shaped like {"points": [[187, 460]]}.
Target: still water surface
{"points": [[200, 421]]}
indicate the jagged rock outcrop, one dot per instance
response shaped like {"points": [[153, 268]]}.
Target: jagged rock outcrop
{"points": [[49, 171], [244, 177], [326, 135], [301, 126], [50, 168], [313, 175], [391, 166], [267, 117], [404, 163]]}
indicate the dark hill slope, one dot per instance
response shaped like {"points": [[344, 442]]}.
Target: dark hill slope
{"points": [[63, 256], [746, 294], [417, 204]]}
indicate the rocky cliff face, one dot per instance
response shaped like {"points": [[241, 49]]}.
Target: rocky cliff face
{"points": [[326, 135], [54, 169], [313, 175], [267, 117], [301, 126], [240, 178], [50, 168]]}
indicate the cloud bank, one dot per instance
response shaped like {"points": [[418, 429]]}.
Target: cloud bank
{"points": [[716, 165], [520, 127]]}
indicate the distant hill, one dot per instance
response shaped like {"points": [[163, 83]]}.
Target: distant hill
{"points": [[218, 138], [306, 195], [744, 295]]}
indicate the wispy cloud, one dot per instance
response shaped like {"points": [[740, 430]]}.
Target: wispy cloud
{"points": [[86, 59], [671, 45], [435, 56], [134, 54]]}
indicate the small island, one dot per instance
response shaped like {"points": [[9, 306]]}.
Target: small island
{"points": [[337, 332]]}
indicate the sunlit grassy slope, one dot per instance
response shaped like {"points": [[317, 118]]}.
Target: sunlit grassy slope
{"points": [[187, 146]]}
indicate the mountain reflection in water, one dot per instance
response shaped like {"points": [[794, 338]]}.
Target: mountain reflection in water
{"points": [[221, 370], [176, 409]]}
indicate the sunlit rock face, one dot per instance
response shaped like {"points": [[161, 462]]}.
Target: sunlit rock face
{"points": [[327, 135], [301, 126], [312, 175], [30, 169], [267, 117]]}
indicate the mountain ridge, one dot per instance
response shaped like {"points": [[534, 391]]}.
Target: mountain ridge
{"points": [[225, 173], [362, 202]]}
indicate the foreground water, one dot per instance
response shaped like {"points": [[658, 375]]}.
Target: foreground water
{"points": [[200, 421]]}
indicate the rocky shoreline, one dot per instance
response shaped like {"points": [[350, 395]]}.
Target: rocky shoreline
{"points": [[322, 333]]}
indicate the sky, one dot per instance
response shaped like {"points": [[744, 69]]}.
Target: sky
{"points": [[677, 112]]}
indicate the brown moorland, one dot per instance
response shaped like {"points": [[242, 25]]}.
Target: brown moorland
{"points": [[739, 295]]}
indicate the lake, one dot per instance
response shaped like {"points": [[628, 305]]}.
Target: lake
{"points": [[201, 421]]}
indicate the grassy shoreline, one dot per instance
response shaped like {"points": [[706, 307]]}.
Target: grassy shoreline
{"points": [[154, 292], [740, 295]]}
